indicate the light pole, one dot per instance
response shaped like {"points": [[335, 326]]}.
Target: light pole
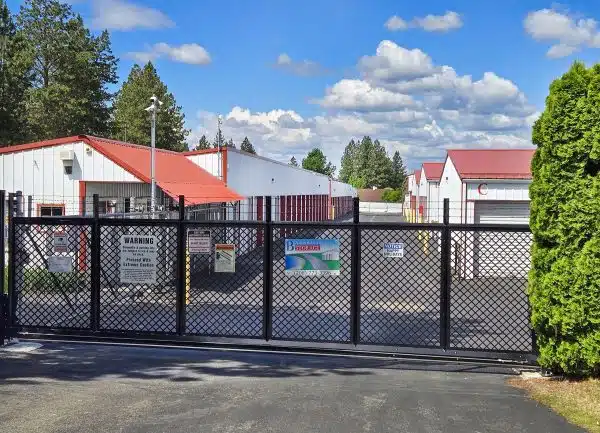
{"points": [[153, 108]]}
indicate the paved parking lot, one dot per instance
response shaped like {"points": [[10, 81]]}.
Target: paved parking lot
{"points": [[73, 388], [400, 299]]}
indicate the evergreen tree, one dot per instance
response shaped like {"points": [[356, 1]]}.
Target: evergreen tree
{"points": [[317, 161], [362, 167], [202, 144], [247, 146], [399, 172], [219, 140], [380, 172], [15, 80], [564, 283], [130, 117], [230, 143], [71, 71], [347, 162], [293, 162]]}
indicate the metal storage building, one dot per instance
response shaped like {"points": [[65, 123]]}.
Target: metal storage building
{"points": [[488, 186]]}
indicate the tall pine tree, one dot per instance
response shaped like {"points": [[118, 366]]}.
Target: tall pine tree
{"points": [[132, 121], [15, 80], [399, 172], [71, 70], [347, 162], [246, 146], [202, 144]]}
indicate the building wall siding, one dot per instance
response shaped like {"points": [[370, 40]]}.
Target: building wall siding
{"points": [[450, 188], [498, 190], [40, 173]]}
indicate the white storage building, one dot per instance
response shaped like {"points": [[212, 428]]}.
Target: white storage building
{"points": [[488, 187]]}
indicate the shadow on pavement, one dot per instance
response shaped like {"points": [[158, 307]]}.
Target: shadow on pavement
{"points": [[88, 362]]}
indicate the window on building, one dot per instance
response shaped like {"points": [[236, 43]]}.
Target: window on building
{"points": [[47, 210]]}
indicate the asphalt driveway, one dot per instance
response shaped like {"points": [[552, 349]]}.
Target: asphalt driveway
{"points": [[98, 388]]}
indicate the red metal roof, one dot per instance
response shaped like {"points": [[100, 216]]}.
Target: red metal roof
{"points": [[417, 174], [433, 170], [175, 174], [492, 163]]}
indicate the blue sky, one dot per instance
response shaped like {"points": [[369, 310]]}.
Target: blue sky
{"points": [[420, 76]]}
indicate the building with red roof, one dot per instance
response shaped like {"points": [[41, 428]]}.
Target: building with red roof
{"points": [[487, 185], [62, 175]]}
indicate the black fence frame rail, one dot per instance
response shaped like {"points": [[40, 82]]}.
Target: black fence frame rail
{"points": [[443, 347]]}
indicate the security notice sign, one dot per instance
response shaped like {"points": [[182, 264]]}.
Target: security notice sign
{"points": [[60, 242], [312, 256], [138, 259], [393, 249], [225, 258], [60, 264], [199, 241]]}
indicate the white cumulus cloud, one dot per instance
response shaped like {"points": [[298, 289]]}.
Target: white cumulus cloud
{"points": [[301, 67], [401, 98], [124, 15], [569, 33], [431, 23], [192, 54]]}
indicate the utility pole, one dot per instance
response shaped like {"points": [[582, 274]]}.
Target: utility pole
{"points": [[219, 146], [153, 108]]}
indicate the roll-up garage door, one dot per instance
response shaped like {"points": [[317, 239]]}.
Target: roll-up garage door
{"points": [[492, 212], [498, 253]]}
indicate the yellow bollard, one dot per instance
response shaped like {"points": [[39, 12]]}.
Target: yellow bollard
{"points": [[187, 277]]}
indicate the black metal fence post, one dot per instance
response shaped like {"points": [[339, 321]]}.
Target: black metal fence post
{"points": [[355, 273], [2, 242], [445, 279], [181, 265], [95, 265], [29, 206], [268, 272], [12, 305]]}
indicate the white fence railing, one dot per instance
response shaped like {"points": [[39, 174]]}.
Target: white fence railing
{"points": [[376, 207]]}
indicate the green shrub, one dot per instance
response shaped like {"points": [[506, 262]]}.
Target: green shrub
{"points": [[41, 279], [564, 283], [391, 195]]}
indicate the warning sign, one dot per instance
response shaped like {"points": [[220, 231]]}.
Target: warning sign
{"points": [[199, 241], [60, 242], [138, 259], [60, 264], [393, 249], [225, 258]]}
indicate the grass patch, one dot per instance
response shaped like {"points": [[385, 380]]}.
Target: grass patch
{"points": [[576, 400]]}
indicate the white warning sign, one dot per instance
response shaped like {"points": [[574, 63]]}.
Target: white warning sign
{"points": [[199, 241], [138, 259], [60, 242]]}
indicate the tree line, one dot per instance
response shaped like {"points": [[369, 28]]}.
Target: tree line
{"points": [[55, 77]]}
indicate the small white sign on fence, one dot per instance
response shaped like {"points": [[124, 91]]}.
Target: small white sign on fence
{"points": [[138, 259], [60, 242], [393, 249], [199, 241], [60, 264], [225, 258]]}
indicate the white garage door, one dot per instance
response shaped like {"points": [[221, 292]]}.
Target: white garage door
{"points": [[498, 253], [489, 212]]}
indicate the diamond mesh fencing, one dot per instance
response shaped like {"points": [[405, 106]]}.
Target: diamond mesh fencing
{"points": [[400, 296], [489, 309], [220, 302], [148, 307], [52, 275], [312, 307]]}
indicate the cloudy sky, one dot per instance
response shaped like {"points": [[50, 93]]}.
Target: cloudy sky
{"points": [[421, 77]]}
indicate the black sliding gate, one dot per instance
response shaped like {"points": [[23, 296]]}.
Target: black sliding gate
{"points": [[457, 290]]}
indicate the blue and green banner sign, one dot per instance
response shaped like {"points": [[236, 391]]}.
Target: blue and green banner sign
{"points": [[312, 256]]}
